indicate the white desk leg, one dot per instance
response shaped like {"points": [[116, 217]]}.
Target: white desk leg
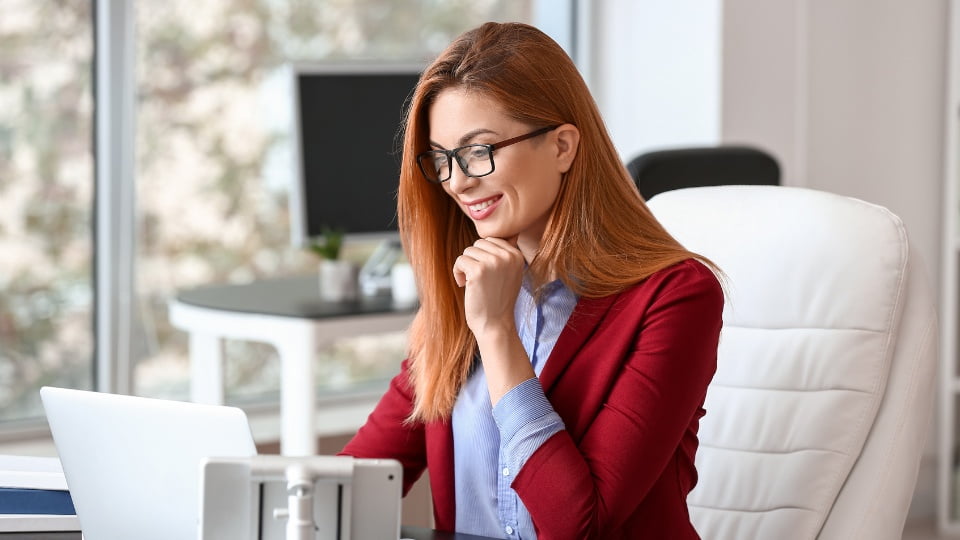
{"points": [[206, 369], [297, 429]]}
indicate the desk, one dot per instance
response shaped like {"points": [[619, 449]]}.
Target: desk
{"points": [[416, 533], [60, 535], [288, 314]]}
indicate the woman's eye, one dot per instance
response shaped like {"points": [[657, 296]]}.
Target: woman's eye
{"points": [[478, 152], [439, 161]]}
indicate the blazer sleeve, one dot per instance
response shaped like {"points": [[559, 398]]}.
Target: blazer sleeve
{"points": [[388, 435], [590, 487]]}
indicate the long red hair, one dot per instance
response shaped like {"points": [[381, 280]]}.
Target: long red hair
{"points": [[600, 238]]}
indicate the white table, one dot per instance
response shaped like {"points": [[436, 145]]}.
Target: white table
{"points": [[288, 314]]}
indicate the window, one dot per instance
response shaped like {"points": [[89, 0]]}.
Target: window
{"points": [[213, 163], [210, 174], [46, 201]]}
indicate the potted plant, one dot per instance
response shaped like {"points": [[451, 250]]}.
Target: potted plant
{"points": [[338, 278]]}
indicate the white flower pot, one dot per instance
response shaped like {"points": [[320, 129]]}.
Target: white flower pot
{"points": [[338, 281]]}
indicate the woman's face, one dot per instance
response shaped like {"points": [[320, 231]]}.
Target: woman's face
{"points": [[516, 199]]}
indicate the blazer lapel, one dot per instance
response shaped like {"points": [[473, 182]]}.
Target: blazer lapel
{"points": [[582, 322]]}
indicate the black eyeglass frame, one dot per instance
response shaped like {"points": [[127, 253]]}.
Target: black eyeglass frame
{"points": [[454, 154]]}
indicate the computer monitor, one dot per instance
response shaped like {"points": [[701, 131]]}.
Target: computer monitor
{"points": [[347, 145]]}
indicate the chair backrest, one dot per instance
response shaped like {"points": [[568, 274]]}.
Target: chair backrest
{"points": [[817, 416], [664, 170]]}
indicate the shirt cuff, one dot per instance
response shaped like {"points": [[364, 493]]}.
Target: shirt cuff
{"points": [[526, 419]]}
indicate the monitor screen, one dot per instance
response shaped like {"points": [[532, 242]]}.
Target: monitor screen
{"points": [[347, 126]]}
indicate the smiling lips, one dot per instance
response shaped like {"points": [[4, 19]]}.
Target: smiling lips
{"points": [[480, 209]]}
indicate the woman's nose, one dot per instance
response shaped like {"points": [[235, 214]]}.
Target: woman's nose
{"points": [[459, 182]]}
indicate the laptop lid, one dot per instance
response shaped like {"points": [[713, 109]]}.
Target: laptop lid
{"points": [[133, 464]]}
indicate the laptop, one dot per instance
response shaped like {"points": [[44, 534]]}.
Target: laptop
{"points": [[133, 464]]}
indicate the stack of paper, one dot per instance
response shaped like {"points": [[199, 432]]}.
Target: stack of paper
{"points": [[34, 496]]}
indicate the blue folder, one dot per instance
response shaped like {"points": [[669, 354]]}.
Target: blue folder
{"points": [[36, 501]]}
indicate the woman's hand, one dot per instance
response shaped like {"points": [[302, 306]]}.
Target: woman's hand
{"points": [[491, 270]]}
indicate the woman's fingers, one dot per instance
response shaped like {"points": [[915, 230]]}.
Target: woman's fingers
{"points": [[486, 256], [508, 243], [491, 270], [494, 251], [464, 269]]}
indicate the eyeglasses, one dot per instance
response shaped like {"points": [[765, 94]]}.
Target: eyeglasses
{"points": [[475, 160]]}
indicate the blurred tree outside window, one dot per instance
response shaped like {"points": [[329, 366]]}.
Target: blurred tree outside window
{"points": [[213, 162], [46, 201]]}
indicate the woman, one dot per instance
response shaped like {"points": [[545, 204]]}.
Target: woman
{"points": [[561, 354]]}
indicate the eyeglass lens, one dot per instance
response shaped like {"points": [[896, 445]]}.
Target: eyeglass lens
{"points": [[474, 160]]}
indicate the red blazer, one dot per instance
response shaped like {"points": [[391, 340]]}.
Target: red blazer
{"points": [[628, 376]]}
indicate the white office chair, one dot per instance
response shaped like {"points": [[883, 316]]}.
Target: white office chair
{"points": [[820, 407]]}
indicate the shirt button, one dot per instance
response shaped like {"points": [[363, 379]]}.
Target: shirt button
{"points": [[506, 471], [509, 529]]}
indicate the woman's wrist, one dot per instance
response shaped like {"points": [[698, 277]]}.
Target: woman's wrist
{"points": [[505, 361], [497, 335]]}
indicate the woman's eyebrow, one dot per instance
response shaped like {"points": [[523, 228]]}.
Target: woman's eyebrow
{"points": [[466, 138]]}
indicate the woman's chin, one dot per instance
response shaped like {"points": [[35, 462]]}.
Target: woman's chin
{"points": [[494, 232]]}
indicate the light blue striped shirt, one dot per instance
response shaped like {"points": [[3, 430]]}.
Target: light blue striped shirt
{"points": [[491, 445]]}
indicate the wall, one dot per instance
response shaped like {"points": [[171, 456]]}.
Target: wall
{"points": [[653, 68], [848, 95]]}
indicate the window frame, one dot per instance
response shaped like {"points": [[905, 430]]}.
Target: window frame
{"points": [[115, 221]]}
